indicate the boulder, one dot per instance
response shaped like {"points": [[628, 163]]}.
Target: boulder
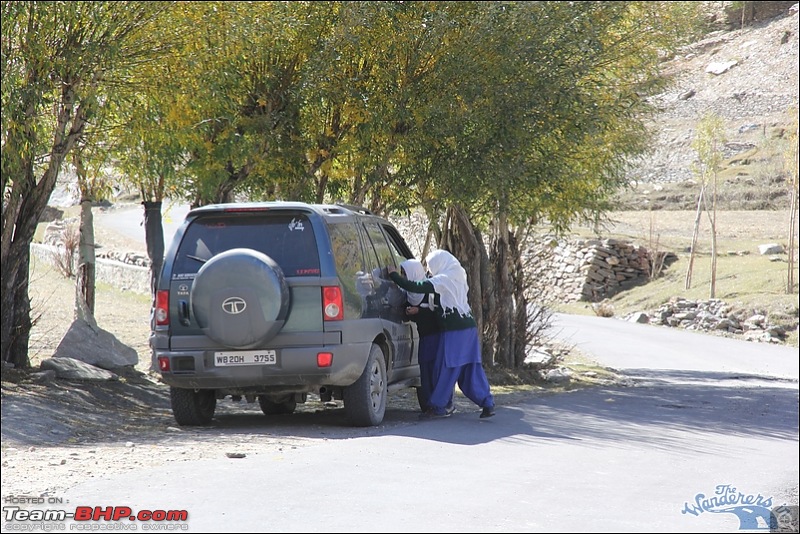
{"points": [[73, 369], [95, 346]]}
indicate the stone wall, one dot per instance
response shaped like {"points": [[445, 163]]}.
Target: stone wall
{"points": [[586, 269], [754, 11], [121, 275]]}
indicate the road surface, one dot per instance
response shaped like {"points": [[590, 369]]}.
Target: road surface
{"points": [[704, 416]]}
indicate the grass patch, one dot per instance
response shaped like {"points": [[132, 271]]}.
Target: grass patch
{"points": [[745, 279]]}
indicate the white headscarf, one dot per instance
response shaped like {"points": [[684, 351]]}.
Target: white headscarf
{"points": [[416, 273], [449, 280]]}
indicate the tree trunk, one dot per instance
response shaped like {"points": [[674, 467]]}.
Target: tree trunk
{"points": [[522, 320], [85, 279], [688, 282], [790, 281], [462, 240], [504, 315], [713, 286], [16, 322], [22, 323], [154, 238], [488, 301], [494, 278]]}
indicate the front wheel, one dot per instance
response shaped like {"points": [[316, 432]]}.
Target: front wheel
{"points": [[193, 407], [365, 399], [422, 398]]}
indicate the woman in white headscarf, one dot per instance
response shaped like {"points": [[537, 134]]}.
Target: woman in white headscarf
{"points": [[422, 310], [459, 356]]}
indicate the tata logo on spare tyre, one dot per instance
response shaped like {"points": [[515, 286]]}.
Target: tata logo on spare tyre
{"points": [[234, 305]]}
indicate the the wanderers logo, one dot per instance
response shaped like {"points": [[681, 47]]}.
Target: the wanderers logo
{"points": [[753, 510]]}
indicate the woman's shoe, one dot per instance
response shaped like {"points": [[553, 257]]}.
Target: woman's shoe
{"points": [[488, 411], [432, 414]]}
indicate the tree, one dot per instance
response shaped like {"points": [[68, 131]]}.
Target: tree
{"points": [[235, 107], [531, 113], [708, 143], [93, 186], [58, 58], [792, 161], [145, 146]]}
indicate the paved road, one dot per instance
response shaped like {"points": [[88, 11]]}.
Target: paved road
{"points": [[645, 349], [705, 413], [128, 220]]}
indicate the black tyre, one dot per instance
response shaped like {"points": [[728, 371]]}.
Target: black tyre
{"points": [[193, 407], [365, 399], [422, 399], [271, 407], [240, 298]]}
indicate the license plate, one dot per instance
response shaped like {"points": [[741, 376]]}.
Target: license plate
{"points": [[245, 357]]}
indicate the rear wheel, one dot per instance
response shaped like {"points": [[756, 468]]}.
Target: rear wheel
{"points": [[365, 399], [193, 407], [269, 406]]}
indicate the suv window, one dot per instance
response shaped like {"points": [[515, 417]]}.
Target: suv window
{"points": [[287, 238], [391, 236], [349, 258], [384, 253]]}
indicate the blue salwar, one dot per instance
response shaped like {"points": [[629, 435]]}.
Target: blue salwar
{"points": [[428, 373], [458, 361]]}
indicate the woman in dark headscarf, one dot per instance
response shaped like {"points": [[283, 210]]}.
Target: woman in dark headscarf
{"points": [[459, 357]]}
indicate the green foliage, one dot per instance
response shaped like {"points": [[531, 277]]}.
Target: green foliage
{"points": [[529, 106], [708, 144], [532, 106]]}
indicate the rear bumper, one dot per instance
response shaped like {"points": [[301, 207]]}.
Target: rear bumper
{"points": [[296, 369]]}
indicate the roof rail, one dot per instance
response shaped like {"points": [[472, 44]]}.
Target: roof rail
{"points": [[357, 209]]}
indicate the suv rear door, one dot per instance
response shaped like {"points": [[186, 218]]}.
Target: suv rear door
{"points": [[286, 236]]}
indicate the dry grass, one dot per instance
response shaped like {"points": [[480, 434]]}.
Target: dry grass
{"points": [[123, 313]]}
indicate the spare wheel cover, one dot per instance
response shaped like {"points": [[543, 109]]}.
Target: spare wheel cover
{"points": [[240, 298]]}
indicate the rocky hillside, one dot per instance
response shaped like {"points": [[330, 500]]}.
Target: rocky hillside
{"points": [[748, 77]]}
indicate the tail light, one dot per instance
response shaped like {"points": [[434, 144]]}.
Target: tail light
{"points": [[162, 308], [332, 303], [324, 359]]}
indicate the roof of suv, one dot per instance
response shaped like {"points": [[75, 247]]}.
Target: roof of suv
{"points": [[324, 210]]}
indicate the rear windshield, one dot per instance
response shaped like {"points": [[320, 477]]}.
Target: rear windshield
{"points": [[287, 238]]}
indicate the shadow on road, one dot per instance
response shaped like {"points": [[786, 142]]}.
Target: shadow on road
{"points": [[650, 411], [702, 403]]}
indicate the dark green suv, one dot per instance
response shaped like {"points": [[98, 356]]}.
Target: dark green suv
{"points": [[272, 301]]}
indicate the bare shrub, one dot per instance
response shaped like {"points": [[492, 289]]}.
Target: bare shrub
{"points": [[603, 309], [540, 339], [657, 256], [65, 254], [540, 320]]}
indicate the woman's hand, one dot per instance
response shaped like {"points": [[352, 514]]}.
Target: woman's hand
{"points": [[412, 310]]}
